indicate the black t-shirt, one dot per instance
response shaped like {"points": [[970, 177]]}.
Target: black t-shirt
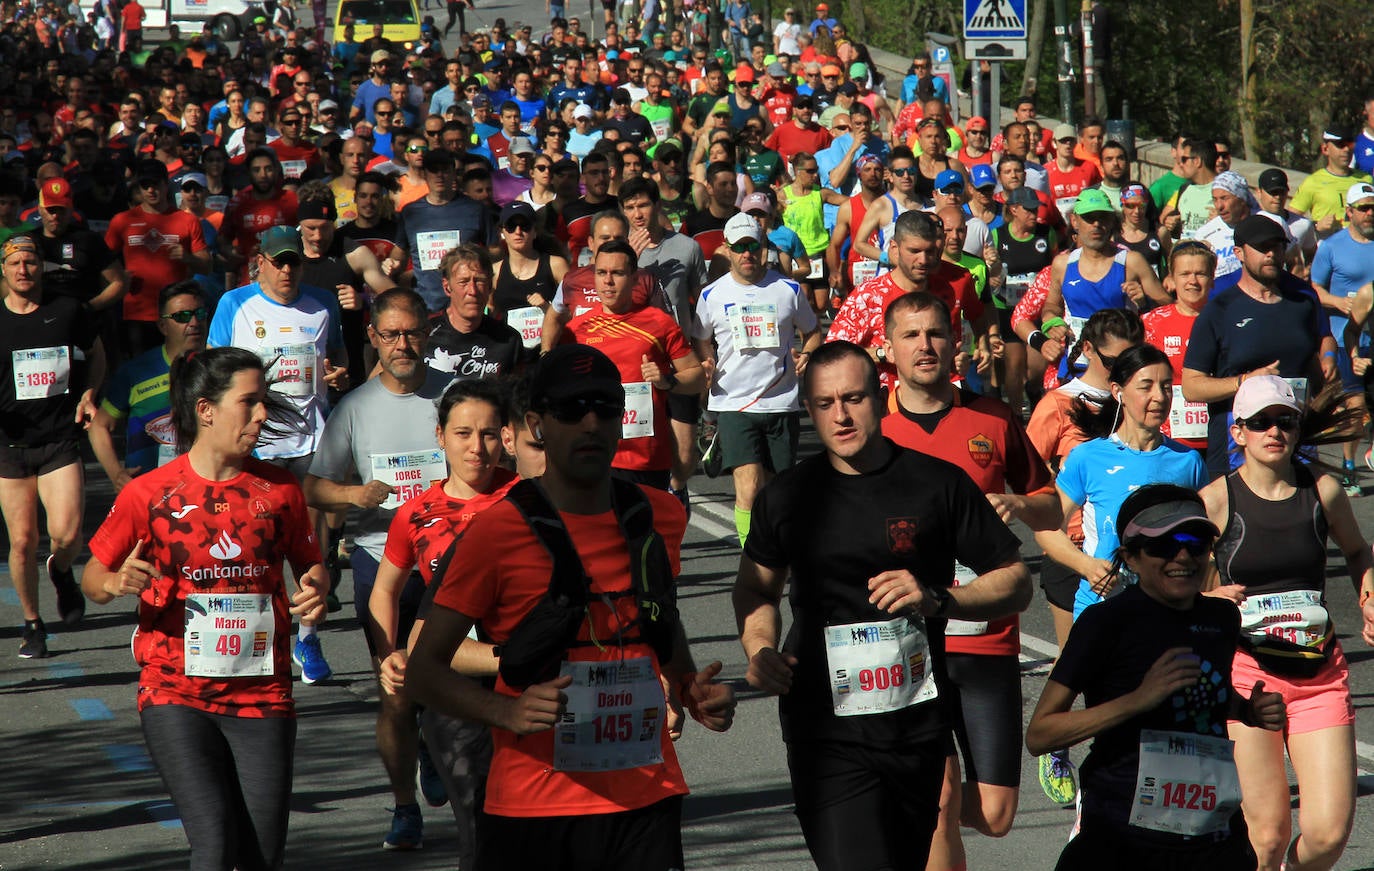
{"points": [[39, 348], [490, 351], [72, 263], [1112, 645], [633, 128], [836, 531]]}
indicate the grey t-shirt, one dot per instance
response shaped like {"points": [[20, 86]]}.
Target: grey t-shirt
{"points": [[680, 268], [374, 434]]}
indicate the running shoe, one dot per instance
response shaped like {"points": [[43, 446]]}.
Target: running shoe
{"points": [[1350, 483], [71, 604], [407, 829], [34, 642], [431, 785], [1058, 777], [708, 442], [310, 657]]}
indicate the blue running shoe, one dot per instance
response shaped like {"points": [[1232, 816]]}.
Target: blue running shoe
{"points": [[310, 657], [431, 785], [407, 829]]}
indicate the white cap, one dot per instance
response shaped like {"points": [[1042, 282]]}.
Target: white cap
{"points": [[328, 104], [583, 111], [1359, 192], [1259, 392], [742, 227]]}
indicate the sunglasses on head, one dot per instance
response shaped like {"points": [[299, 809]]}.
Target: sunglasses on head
{"points": [[185, 316], [1167, 546], [1287, 421], [574, 409]]}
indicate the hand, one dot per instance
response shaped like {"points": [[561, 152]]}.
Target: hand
{"points": [[1101, 577], [538, 708], [1271, 369], [174, 251], [371, 494], [1231, 592], [1051, 351], [85, 409], [1328, 224], [897, 592], [1267, 710], [650, 372], [308, 603], [799, 361], [537, 300], [711, 704], [135, 574], [125, 475], [708, 368], [349, 299], [639, 239], [1006, 505], [335, 376], [393, 673], [996, 345], [1176, 669], [391, 266], [1367, 611], [1059, 333], [1171, 219], [1135, 290], [675, 718], [961, 362], [771, 671], [1358, 365]]}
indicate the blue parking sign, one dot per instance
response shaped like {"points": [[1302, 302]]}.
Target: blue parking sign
{"points": [[994, 19]]}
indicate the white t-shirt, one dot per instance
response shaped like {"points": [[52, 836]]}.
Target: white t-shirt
{"points": [[1221, 237], [753, 327], [787, 38]]}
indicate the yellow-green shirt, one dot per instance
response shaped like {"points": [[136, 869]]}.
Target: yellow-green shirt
{"points": [[1323, 194]]}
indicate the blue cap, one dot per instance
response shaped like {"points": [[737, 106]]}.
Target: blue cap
{"points": [[949, 178], [983, 176]]}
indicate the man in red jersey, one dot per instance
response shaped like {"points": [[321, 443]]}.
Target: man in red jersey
{"points": [[982, 436], [648, 347], [160, 245], [299, 159], [255, 209]]}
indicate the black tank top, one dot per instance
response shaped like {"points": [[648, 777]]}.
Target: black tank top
{"points": [[512, 293], [1273, 547], [1149, 248], [925, 185]]}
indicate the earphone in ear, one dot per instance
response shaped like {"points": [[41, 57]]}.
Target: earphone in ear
{"points": [[538, 433]]}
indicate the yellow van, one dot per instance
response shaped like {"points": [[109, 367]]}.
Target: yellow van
{"points": [[400, 20]]}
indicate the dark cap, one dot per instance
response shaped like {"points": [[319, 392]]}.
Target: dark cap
{"points": [[1025, 198], [1339, 133], [803, 101], [437, 160], [1158, 521], [1257, 231], [150, 169], [280, 240], [517, 209], [849, 89], [575, 371], [1273, 181]]}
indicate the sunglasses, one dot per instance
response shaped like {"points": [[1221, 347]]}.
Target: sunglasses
{"points": [[1341, 143], [518, 226], [574, 409], [1262, 422], [417, 149], [542, 167], [746, 247], [1167, 546], [904, 171], [186, 315], [1364, 210], [282, 261], [844, 127]]}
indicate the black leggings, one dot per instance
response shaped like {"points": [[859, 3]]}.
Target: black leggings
{"points": [[230, 778], [456, 12]]}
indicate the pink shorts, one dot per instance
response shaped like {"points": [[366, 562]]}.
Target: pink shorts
{"points": [[1318, 702]]}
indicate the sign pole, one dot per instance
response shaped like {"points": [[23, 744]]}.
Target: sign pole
{"points": [[995, 122], [977, 90]]}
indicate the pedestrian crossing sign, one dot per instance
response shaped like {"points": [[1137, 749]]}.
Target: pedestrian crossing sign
{"points": [[995, 19]]}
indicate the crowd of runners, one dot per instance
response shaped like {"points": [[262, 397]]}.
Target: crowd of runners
{"points": [[457, 323]]}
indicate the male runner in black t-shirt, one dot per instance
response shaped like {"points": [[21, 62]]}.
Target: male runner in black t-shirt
{"points": [[463, 340], [870, 532]]}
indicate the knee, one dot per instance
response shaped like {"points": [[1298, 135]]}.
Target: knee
{"points": [[1269, 838], [1324, 839], [23, 542], [997, 825]]}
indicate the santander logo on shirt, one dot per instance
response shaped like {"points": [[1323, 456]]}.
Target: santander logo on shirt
{"points": [[226, 550]]}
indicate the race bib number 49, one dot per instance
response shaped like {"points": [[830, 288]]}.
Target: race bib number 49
{"points": [[409, 474], [878, 667], [41, 372], [614, 717], [229, 635]]}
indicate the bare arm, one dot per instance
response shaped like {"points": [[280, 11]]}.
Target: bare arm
{"points": [[102, 445], [116, 284], [1201, 387], [877, 216], [756, 598], [328, 495]]}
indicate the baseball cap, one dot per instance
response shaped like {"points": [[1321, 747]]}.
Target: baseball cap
{"points": [[194, 178], [742, 227], [575, 371], [1065, 131], [1162, 519], [830, 70], [1273, 181], [977, 122], [1093, 201], [1257, 231], [521, 145], [280, 240], [1339, 133], [983, 176], [849, 89], [821, 7], [744, 73], [1259, 392], [437, 160], [776, 70], [949, 178], [757, 202], [328, 106], [1023, 197], [583, 111], [722, 107], [316, 210], [517, 209], [380, 55], [480, 100], [1358, 192], [858, 70], [150, 169], [55, 193]]}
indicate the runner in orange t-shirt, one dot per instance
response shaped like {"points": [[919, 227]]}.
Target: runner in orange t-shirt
{"points": [[1191, 268], [583, 757]]}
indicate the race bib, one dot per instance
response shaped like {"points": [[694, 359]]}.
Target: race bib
{"points": [[292, 169], [433, 245], [529, 323], [584, 257], [213, 203], [754, 326], [963, 576], [409, 473], [1298, 617], [229, 635], [1075, 323], [1014, 287], [1187, 420], [293, 372], [41, 372], [162, 432], [1186, 785], [638, 422], [503, 162], [817, 267], [864, 270], [614, 717], [878, 667], [663, 128]]}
